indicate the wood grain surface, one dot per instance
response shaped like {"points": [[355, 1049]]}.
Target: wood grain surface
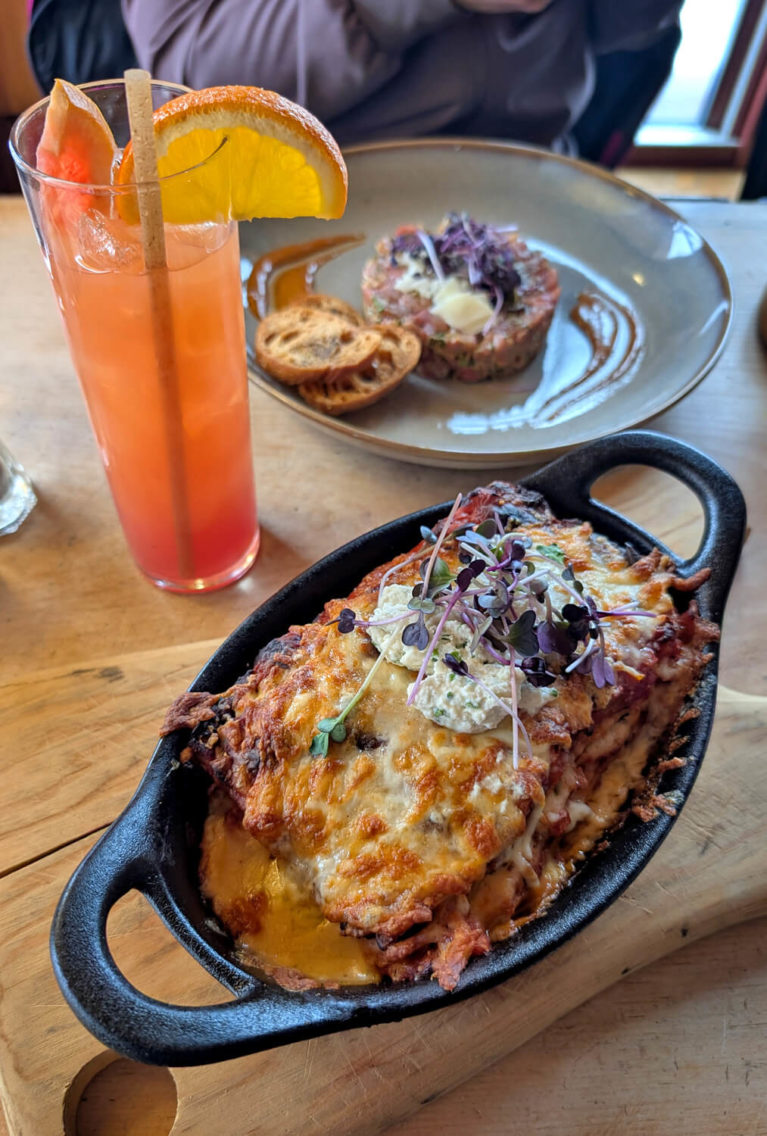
{"points": [[92, 654]]}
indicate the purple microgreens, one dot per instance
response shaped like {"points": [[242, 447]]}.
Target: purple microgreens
{"points": [[513, 556], [407, 241], [569, 584], [521, 635], [468, 616], [537, 588], [505, 593], [468, 575], [569, 577], [431, 252], [495, 601], [347, 621], [585, 662], [535, 671], [497, 651], [479, 631], [474, 544], [481, 253], [438, 544], [579, 660], [578, 617], [464, 580], [514, 710], [602, 670], [626, 613], [498, 305], [487, 529], [554, 637], [455, 664], [593, 658], [416, 634]]}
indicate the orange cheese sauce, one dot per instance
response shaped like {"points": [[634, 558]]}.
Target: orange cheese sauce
{"points": [[271, 913]]}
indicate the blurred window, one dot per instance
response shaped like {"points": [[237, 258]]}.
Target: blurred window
{"points": [[718, 86]]}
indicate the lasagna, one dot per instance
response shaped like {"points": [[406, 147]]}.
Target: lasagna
{"points": [[406, 780]]}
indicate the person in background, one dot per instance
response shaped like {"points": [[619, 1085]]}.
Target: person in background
{"points": [[18, 88], [374, 69], [77, 40]]}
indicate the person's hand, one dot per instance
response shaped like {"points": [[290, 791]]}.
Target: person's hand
{"points": [[497, 7]]}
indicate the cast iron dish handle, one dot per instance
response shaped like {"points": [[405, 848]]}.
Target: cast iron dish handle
{"points": [[126, 1019], [142, 852], [569, 480]]}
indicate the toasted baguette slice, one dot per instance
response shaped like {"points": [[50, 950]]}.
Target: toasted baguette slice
{"points": [[398, 354], [334, 305], [298, 344]]}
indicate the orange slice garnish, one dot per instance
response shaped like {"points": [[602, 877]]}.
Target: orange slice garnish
{"points": [[277, 159]]}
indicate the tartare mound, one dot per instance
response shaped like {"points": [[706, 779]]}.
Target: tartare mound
{"points": [[479, 299]]}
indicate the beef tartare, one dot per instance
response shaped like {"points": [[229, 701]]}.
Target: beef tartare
{"points": [[479, 299]]}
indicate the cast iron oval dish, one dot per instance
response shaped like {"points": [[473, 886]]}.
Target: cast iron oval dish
{"points": [[154, 845]]}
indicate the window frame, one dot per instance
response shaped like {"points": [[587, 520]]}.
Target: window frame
{"points": [[725, 137]]}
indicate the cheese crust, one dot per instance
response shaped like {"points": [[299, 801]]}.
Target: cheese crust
{"points": [[425, 842]]}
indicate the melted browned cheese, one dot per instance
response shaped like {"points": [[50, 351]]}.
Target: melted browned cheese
{"points": [[427, 841]]}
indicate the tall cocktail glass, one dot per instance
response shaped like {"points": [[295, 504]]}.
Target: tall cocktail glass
{"points": [[167, 399]]}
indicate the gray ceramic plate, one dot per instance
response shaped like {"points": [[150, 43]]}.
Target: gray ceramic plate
{"points": [[603, 235]]}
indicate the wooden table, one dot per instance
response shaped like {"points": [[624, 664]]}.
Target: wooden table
{"points": [[91, 653]]}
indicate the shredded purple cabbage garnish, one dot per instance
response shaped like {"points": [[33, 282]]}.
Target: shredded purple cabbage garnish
{"points": [[502, 592], [479, 253]]}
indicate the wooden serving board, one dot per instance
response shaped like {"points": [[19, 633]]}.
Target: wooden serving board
{"points": [[710, 873]]}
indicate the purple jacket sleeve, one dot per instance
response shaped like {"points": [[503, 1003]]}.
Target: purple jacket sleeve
{"points": [[327, 54]]}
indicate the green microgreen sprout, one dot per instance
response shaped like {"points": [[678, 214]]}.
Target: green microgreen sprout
{"points": [[551, 552], [333, 728]]}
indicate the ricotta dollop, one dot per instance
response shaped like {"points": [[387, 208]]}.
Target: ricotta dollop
{"points": [[452, 700]]}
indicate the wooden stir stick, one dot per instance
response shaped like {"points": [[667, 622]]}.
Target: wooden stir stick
{"points": [[138, 91]]}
